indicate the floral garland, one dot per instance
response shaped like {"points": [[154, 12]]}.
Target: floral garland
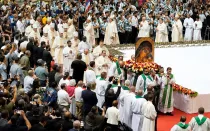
{"points": [[137, 68]]}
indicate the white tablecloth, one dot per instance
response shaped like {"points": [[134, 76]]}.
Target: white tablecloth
{"points": [[191, 105]]}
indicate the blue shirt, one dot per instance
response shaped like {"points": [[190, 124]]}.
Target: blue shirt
{"points": [[41, 73]]}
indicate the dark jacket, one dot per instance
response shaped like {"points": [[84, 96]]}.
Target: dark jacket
{"points": [[47, 57], [94, 122], [67, 125], [89, 100], [109, 98], [38, 127], [79, 67], [30, 47], [40, 51]]}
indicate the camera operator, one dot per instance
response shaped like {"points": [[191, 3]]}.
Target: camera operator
{"points": [[112, 92]]}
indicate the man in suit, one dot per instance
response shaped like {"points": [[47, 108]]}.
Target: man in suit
{"points": [[40, 50], [41, 125], [47, 57], [67, 124], [29, 47], [78, 67], [89, 99]]}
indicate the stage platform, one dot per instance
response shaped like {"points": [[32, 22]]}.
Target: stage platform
{"points": [[191, 68]]}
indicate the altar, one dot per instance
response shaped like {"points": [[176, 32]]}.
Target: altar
{"points": [[191, 68]]}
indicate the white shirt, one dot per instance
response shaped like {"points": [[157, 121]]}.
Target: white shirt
{"points": [[28, 82], [134, 21], [23, 45], [83, 46], [202, 17], [90, 76], [78, 94], [112, 115], [63, 98], [20, 26]]}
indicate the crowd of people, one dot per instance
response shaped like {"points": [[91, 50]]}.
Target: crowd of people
{"points": [[56, 74]]}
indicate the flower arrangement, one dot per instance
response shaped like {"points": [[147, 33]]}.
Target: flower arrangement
{"points": [[184, 90], [137, 68]]}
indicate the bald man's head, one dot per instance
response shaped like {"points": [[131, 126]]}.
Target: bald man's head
{"points": [[132, 89], [140, 93], [76, 124], [149, 88], [121, 63], [67, 115]]}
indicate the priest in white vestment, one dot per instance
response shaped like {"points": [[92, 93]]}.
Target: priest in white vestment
{"points": [[87, 56], [144, 81], [59, 45], [20, 25], [71, 29], [150, 114], [47, 26], [127, 108], [29, 28], [161, 32], [52, 33], [111, 34], [45, 37], [177, 30], [35, 33], [181, 126], [114, 66], [188, 24], [65, 33], [84, 45], [68, 58], [75, 42], [89, 74], [98, 49], [137, 110], [102, 63], [144, 28], [166, 93], [89, 32], [197, 26], [200, 122], [101, 86]]}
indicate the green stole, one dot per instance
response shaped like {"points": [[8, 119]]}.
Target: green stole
{"points": [[138, 96], [118, 68], [165, 93], [183, 126], [113, 85], [144, 78], [200, 122], [101, 79], [98, 76], [125, 88]]}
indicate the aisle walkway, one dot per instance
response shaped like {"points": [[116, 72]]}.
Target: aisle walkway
{"points": [[165, 123]]}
